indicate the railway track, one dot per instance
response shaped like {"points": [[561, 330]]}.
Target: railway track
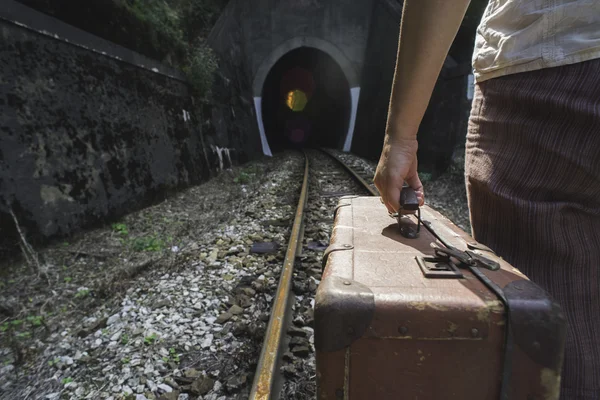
{"points": [[286, 366]]}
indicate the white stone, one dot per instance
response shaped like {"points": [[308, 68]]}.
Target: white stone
{"points": [[165, 388], [151, 385], [135, 362], [113, 319], [207, 342]]}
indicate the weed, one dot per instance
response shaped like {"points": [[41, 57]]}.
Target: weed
{"points": [[148, 340], [242, 178], [82, 293], [67, 380], [23, 335], [173, 354], [202, 63], [121, 229], [68, 279], [54, 362], [148, 243], [125, 360], [35, 320], [124, 339]]}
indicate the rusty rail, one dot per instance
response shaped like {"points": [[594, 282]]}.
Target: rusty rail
{"points": [[266, 371], [358, 178], [266, 376]]}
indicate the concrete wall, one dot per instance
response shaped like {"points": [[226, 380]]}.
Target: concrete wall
{"points": [[86, 135], [273, 27], [233, 112]]}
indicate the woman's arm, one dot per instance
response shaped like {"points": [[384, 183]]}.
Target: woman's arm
{"points": [[427, 30]]}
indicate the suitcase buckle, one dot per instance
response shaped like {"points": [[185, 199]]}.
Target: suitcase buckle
{"points": [[467, 257]]}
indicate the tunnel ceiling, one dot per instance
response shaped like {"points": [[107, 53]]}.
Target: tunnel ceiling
{"points": [[305, 101]]}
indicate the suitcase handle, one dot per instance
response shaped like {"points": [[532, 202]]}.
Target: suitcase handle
{"points": [[410, 202], [408, 199]]}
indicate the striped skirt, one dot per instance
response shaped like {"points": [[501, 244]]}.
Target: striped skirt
{"points": [[533, 181]]}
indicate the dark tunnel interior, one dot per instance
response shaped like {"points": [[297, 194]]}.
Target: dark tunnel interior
{"points": [[306, 101]]}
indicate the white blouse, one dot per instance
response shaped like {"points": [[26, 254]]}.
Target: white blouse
{"points": [[525, 35]]}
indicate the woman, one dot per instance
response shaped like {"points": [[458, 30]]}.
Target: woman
{"points": [[533, 147]]}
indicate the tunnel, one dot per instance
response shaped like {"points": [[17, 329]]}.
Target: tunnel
{"points": [[306, 101]]}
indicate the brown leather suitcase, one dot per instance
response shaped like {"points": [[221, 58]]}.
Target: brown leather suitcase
{"points": [[396, 318]]}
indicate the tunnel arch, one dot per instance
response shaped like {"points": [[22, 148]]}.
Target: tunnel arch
{"points": [[346, 67], [304, 41]]}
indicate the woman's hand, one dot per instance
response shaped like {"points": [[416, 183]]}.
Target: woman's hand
{"points": [[398, 164], [427, 30]]}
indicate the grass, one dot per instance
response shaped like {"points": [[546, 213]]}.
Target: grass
{"points": [[175, 29], [149, 340], [82, 293]]}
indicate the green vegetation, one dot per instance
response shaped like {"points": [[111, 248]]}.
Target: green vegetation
{"points": [[121, 229], [171, 31], [54, 362], [148, 243], [242, 178], [173, 356], [248, 174], [35, 320], [67, 380], [82, 293], [148, 340], [22, 328], [176, 30], [142, 243]]}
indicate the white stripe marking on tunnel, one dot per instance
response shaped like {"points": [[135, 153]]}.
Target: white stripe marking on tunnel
{"points": [[261, 127], [354, 93]]}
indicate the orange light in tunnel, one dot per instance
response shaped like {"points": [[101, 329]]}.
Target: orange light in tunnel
{"points": [[296, 100]]}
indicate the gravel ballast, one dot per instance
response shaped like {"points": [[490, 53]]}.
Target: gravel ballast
{"points": [[172, 301]]}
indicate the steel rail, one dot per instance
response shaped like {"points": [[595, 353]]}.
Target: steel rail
{"points": [[365, 184], [270, 357]]}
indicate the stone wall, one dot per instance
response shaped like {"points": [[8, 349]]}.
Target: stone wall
{"points": [[232, 111], [85, 136]]}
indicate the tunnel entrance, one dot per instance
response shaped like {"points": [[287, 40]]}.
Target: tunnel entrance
{"points": [[306, 101]]}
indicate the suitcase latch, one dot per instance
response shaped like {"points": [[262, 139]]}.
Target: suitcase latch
{"points": [[439, 268]]}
